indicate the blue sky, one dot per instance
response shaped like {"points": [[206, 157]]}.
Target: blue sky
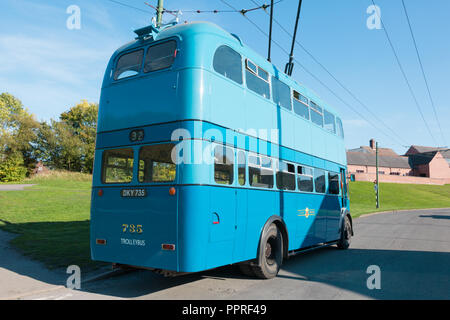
{"points": [[51, 68]]}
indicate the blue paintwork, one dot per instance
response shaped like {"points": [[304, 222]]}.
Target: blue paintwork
{"points": [[191, 96]]}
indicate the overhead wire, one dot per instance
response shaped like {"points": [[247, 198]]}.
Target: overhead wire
{"points": [[130, 6], [317, 79], [353, 95], [404, 74], [423, 71]]}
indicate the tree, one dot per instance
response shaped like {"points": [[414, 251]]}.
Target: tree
{"points": [[69, 143], [18, 129], [82, 118]]}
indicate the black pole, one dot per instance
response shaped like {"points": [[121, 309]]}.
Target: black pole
{"points": [[270, 29], [290, 64]]}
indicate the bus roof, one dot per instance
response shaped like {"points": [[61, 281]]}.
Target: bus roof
{"points": [[187, 30]]}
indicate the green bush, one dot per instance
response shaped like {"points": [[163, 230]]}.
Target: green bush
{"points": [[12, 169]]}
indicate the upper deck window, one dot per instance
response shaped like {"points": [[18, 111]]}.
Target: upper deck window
{"points": [[257, 79], [228, 62], [160, 56], [340, 128], [129, 64], [281, 93], [329, 123], [301, 105], [316, 114]]}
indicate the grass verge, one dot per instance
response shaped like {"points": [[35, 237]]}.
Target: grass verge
{"points": [[51, 219], [395, 196]]}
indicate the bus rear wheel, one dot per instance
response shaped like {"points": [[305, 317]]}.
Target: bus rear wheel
{"points": [[346, 234], [270, 255]]}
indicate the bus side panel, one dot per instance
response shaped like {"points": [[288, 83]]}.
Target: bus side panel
{"points": [[285, 125], [226, 102], [332, 205], [262, 205], [287, 204], [239, 253], [193, 222], [305, 231]]}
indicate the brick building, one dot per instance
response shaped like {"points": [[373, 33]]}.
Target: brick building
{"points": [[420, 164], [426, 162]]}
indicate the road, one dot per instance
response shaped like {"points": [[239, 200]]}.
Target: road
{"points": [[14, 187], [411, 249]]}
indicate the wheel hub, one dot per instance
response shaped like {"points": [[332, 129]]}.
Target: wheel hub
{"points": [[268, 250]]}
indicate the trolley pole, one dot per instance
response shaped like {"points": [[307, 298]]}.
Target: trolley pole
{"points": [[270, 30], [159, 10], [377, 186]]}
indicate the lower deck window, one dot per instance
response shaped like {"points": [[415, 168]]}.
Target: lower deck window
{"points": [[260, 172], [319, 180], [241, 167], [333, 183], [223, 165], [117, 166], [305, 179], [286, 176], [156, 163]]}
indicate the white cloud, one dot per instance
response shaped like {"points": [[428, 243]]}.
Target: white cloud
{"points": [[45, 58]]}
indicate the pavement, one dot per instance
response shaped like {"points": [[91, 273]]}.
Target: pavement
{"points": [[14, 187], [410, 248]]}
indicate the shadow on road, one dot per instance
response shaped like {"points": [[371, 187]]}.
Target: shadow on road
{"points": [[435, 216], [404, 275]]}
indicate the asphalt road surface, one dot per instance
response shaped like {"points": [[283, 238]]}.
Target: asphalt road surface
{"points": [[411, 249]]}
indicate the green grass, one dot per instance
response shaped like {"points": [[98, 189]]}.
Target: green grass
{"points": [[52, 217], [395, 196]]}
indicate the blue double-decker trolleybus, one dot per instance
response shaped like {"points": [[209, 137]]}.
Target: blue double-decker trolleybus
{"points": [[207, 155]]}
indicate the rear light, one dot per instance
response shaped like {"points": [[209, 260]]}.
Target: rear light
{"points": [[100, 241], [172, 191], [100, 192], [166, 246]]}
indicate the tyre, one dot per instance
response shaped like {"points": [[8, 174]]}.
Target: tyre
{"points": [[346, 234], [270, 255]]}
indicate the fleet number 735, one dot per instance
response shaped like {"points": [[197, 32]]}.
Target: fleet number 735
{"points": [[132, 228]]}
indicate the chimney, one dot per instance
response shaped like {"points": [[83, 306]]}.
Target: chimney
{"points": [[372, 144]]}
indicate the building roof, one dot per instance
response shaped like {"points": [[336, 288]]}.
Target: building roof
{"points": [[423, 149], [421, 158], [369, 159], [446, 154], [381, 151]]}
